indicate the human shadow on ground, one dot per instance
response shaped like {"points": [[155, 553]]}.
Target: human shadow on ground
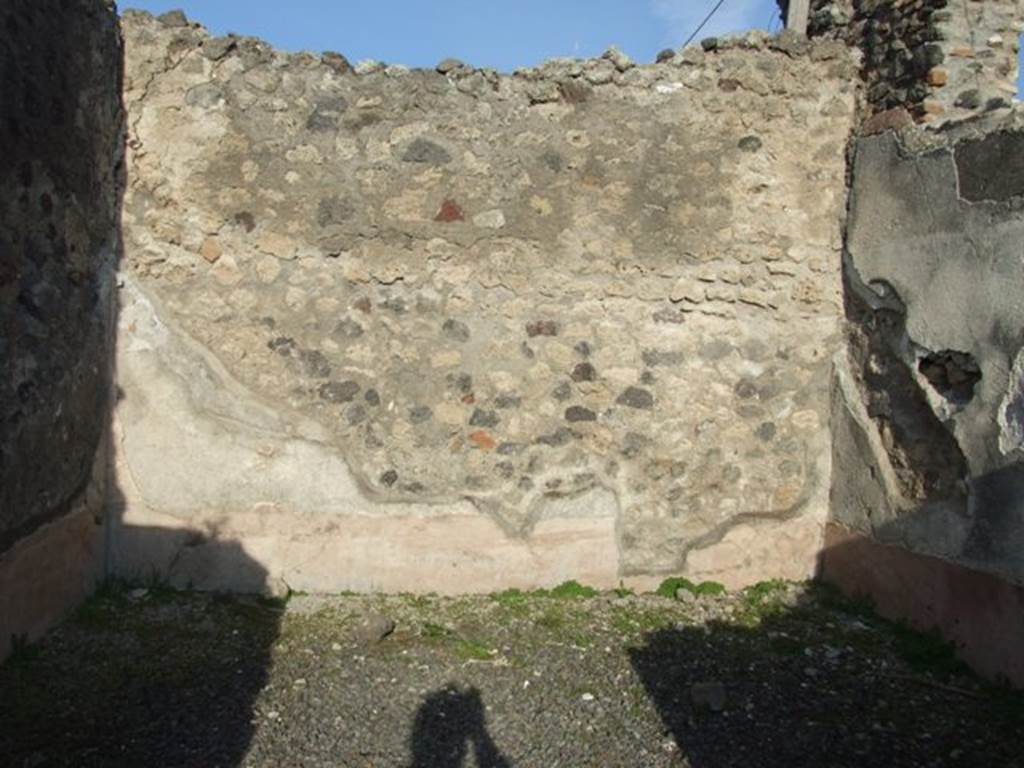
{"points": [[821, 681], [448, 724], [142, 676]]}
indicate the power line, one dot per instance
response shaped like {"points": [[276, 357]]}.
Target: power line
{"points": [[707, 18]]}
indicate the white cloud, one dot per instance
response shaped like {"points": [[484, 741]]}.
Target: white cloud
{"points": [[681, 17]]}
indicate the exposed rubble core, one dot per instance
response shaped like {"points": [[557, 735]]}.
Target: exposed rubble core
{"points": [[751, 311], [940, 59], [593, 294]]}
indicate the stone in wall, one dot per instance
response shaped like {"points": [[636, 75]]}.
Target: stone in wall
{"points": [[60, 140], [456, 330], [935, 58]]}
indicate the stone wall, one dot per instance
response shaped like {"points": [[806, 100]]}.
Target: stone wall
{"points": [[453, 330], [60, 140], [928, 414], [939, 59]]}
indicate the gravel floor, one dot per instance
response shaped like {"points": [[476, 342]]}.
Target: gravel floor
{"points": [[779, 675]]}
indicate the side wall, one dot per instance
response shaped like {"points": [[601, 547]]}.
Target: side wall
{"points": [[928, 413], [60, 138], [456, 331]]}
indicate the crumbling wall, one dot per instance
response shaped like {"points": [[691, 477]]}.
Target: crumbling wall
{"points": [[453, 330], [60, 140], [927, 418], [938, 59]]}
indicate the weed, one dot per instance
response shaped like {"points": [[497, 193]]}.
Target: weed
{"points": [[572, 590], [709, 588], [551, 620], [510, 597], [567, 590], [472, 650], [671, 585], [760, 601], [433, 631]]}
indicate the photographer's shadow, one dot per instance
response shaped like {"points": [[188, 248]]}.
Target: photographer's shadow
{"points": [[450, 722]]}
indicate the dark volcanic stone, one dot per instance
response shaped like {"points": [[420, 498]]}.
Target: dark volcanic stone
{"points": [[420, 413], [655, 357], [745, 389], [424, 151], [339, 391], [584, 372], [579, 413], [245, 220], [750, 143], [283, 345], [456, 330], [969, 99], [356, 414], [561, 436], [635, 397], [315, 363], [482, 418]]}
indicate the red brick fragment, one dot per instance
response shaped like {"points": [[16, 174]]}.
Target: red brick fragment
{"points": [[483, 440], [450, 211]]}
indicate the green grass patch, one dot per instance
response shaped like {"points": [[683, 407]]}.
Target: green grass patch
{"points": [[567, 590], [433, 631], [471, 650], [673, 584], [709, 589], [551, 620], [573, 590], [764, 599], [511, 597]]}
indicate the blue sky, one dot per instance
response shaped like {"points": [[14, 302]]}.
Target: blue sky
{"points": [[485, 33], [503, 34]]}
